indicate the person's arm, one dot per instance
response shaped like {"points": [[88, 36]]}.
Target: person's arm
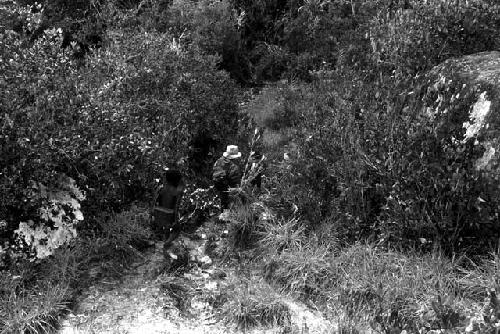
{"points": [[219, 174]]}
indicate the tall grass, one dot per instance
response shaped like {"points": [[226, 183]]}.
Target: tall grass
{"points": [[386, 288], [363, 284], [31, 309]]}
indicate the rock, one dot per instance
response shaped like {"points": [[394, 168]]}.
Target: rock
{"points": [[461, 97], [454, 133]]}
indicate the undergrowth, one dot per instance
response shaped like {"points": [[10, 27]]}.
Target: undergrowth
{"points": [[363, 284], [34, 294]]}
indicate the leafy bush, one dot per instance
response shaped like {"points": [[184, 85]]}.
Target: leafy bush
{"points": [[210, 26], [59, 212], [34, 170], [322, 158], [112, 126], [366, 159], [271, 61]]}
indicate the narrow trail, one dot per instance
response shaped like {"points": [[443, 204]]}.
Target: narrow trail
{"points": [[151, 299]]}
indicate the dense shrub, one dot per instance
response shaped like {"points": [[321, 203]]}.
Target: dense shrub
{"points": [[32, 157], [373, 165], [363, 156], [211, 26], [112, 125]]}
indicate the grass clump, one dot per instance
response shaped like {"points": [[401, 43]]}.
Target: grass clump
{"points": [[31, 309], [394, 289], [253, 303], [303, 270], [33, 295], [244, 227], [281, 234]]}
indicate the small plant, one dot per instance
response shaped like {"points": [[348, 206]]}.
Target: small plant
{"points": [[59, 212], [279, 235], [253, 304], [243, 227], [304, 270]]}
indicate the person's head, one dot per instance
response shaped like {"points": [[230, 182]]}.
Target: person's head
{"points": [[232, 152], [173, 177]]}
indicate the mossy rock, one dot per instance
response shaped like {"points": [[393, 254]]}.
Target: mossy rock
{"points": [[461, 97], [448, 168]]}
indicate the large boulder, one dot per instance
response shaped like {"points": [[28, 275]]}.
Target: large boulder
{"points": [[462, 97], [448, 171]]}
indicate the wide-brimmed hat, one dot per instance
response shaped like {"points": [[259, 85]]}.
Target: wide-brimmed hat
{"points": [[232, 152]]}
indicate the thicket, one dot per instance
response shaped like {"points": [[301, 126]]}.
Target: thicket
{"points": [[353, 157], [86, 135], [98, 98], [363, 156], [105, 130]]}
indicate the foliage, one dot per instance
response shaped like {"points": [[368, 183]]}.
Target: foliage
{"points": [[31, 174], [198, 205], [302, 269], [378, 167], [367, 285], [59, 212], [180, 97], [34, 294], [209, 26], [351, 155], [244, 226], [279, 234], [386, 290], [23, 311], [112, 125], [130, 227], [409, 41]]}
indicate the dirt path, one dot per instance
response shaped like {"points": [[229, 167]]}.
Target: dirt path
{"points": [[151, 299]]}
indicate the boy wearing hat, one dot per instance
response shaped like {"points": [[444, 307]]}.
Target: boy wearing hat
{"points": [[227, 174]]}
